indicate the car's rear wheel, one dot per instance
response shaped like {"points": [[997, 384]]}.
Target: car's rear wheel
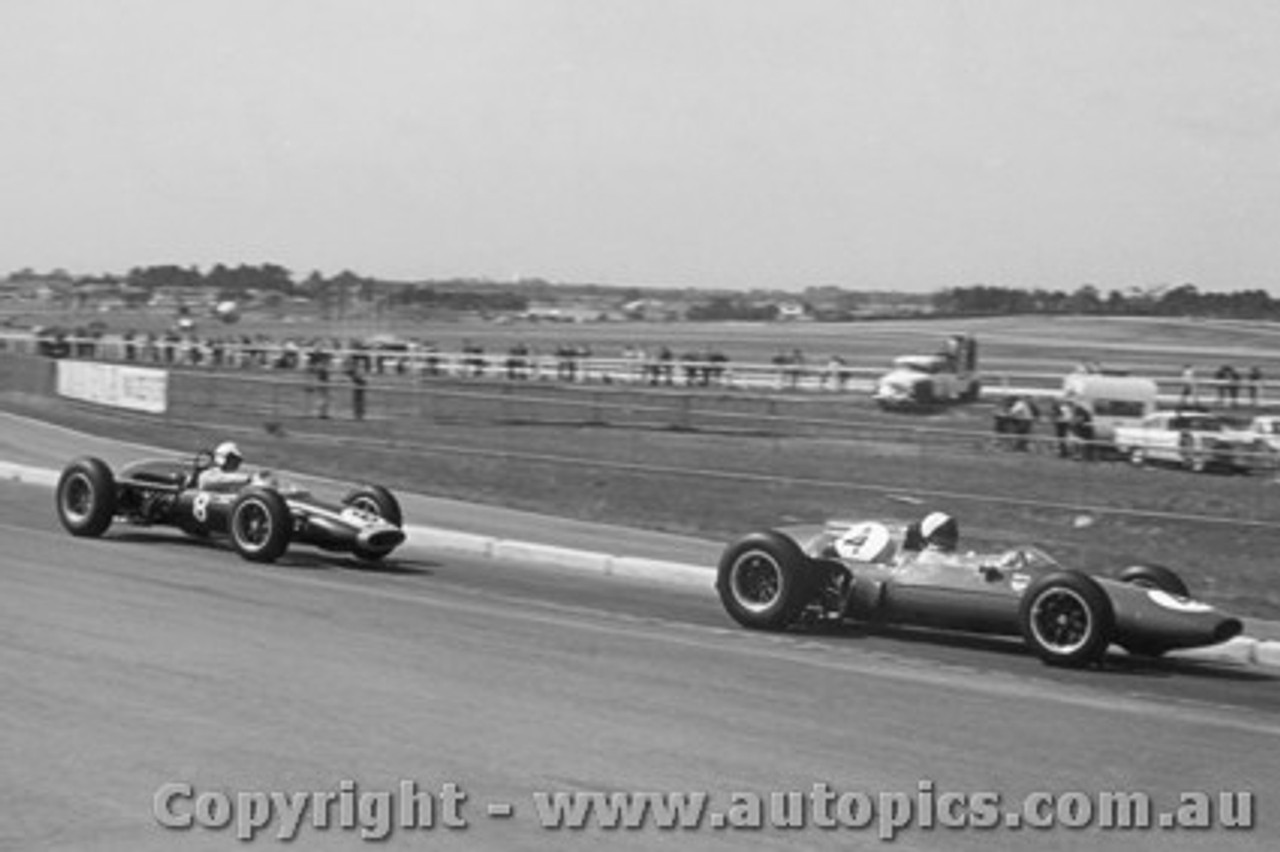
{"points": [[86, 496], [764, 581], [1066, 619], [376, 500], [260, 525]]}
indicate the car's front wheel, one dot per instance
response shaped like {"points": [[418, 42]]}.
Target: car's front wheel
{"points": [[1151, 576], [260, 525], [1066, 619], [764, 581], [376, 500], [86, 496]]}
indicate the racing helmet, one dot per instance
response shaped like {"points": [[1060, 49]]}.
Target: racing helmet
{"points": [[940, 531], [227, 456]]}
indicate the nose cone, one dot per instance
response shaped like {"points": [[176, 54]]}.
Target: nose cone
{"points": [[1228, 628], [381, 539]]}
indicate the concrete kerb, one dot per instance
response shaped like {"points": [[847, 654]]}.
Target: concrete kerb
{"points": [[490, 547], [28, 475], [1242, 649]]}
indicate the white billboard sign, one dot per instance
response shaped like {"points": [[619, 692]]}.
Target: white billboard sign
{"points": [[136, 388]]}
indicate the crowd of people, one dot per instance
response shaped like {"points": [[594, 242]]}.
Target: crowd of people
{"points": [[1227, 384], [1074, 436], [656, 366]]}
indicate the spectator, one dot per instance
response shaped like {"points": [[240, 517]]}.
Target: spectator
{"points": [[1023, 415], [791, 366], [565, 366], [692, 367], [431, 362], [1063, 414], [836, 375], [1255, 384], [473, 359], [1221, 380], [717, 364], [357, 390], [1082, 427], [321, 373], [1002, 423], [666, 365], [1190, 393], [518, 361]]}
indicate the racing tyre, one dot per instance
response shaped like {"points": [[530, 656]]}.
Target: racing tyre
{"points": [[764, 582], [1155, 577], [376, 500], [260, 525], [1066, 619], [86, 497]]}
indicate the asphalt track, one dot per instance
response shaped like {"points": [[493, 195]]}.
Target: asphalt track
{"points": [[146, 658]]}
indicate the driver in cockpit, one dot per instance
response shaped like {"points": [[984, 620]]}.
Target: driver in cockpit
{"points": [[937, 532], [871, 542], [225, 473]]}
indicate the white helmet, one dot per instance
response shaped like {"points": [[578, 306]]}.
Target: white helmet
{"points": [[227, 456], [939, 530]]}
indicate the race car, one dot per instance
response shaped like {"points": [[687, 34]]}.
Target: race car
{"points": [[261, 520], [871, 572]]}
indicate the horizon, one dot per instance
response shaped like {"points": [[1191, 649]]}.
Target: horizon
{"points": [[910, 147]]}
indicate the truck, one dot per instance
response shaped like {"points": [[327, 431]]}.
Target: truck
{"points": [[926, 381]]}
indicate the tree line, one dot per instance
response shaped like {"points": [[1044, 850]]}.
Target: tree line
{"points": [[1183, 300], [336, 293]]}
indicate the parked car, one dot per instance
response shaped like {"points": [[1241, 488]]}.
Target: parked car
{"points": [[1263, 437], [1196, 440]]}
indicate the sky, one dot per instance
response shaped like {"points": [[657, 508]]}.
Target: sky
{"points": [[868, 144]]}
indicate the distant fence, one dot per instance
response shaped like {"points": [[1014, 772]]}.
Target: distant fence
{"points": [[413, 362], [809, 448]]}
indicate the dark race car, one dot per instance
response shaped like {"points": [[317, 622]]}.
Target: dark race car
{"points": [[261, 520], [870, 572]]}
